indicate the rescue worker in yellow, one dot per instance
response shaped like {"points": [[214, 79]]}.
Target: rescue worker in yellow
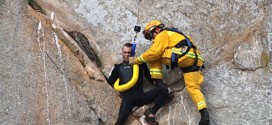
{"points": [[172, 48]]}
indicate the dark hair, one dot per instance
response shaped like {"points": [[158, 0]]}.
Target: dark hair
{"points": [[127, 45]]}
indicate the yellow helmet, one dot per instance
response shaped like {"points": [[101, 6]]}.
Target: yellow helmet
{"points": [[149, 28]]}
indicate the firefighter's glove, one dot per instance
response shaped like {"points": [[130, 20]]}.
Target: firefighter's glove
{"points": [[132, 60]]}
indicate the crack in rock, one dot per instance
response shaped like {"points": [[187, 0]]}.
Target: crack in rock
{"points": [[84, 44]]}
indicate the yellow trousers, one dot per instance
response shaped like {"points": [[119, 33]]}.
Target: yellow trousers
{"points": [[193, 80]]}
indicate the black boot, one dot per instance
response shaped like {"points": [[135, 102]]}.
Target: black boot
{"points": [[205, 119], [150, 120]]}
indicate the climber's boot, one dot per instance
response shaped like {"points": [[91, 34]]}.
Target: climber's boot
{"points": [[151, 120], [205, 119], [148, 119]]}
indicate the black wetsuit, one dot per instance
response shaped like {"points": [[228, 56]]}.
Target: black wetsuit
{"points": [[135, 96]]}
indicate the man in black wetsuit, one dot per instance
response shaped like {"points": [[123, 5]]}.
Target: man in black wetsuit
{"points": [[135, 96]]}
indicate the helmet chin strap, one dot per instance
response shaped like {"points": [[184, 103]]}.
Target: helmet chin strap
{"points": [[151, 35]]}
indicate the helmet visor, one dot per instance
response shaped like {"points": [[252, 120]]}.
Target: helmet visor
{"points": [[148, 34]]}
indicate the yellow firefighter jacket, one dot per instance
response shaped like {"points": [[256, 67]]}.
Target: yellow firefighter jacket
{"points": [[161, 50]]}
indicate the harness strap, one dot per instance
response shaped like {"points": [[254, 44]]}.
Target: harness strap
{"points": [[181, 44], [196, 58], [192, 68], [174, 57]]}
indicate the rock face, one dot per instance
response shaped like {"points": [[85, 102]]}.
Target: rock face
{"points": [[52, 58], [251, 56], [42, 81]]}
